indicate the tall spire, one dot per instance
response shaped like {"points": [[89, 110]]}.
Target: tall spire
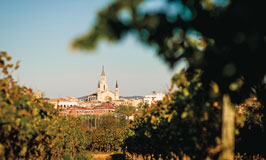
{"points": [[116, 85], [103, 74]]}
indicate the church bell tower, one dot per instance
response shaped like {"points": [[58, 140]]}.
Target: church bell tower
{"points": [[103, 83]]}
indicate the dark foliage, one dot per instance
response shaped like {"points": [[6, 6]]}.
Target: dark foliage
{"points": [[230, 47]]}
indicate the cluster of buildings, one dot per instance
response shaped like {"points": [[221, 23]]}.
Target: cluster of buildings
{"points": [[104, 108], [103, 101]]}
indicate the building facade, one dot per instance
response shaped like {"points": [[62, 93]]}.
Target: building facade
{"points": [[104, 94], [63, 102]]}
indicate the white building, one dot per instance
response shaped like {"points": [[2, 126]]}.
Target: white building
{"points": [[103, 93], [149, 99], [63, 102]]}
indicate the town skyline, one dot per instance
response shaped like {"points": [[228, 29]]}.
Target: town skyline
{"points": [[111, 86]]}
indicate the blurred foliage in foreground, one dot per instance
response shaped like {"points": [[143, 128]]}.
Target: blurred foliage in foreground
{"points": [[188, 123]]}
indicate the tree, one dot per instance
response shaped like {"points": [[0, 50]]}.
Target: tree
{"points": [[186, 122], [226, 40], [23, 117]]}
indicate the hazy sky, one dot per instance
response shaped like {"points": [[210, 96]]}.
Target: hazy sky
{"points": [[39, 33]]}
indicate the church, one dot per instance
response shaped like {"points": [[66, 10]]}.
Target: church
{"points": [[103, 93]]}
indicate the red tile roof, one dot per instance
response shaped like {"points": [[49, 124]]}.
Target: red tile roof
{"points": [[106, 106]]}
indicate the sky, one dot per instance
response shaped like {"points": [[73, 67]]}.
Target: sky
{"points": [[39, 34]]}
